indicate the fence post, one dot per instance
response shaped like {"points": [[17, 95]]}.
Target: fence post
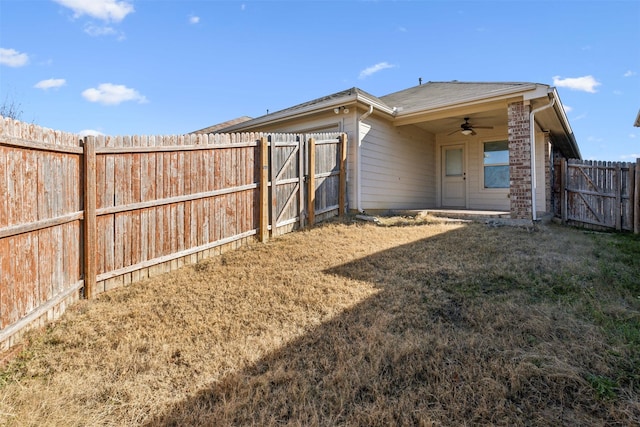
{"points": [[618, 183], [301, 194], [90, 220], [563, 190], [342, 192], [264, 189], [311, 183], [636, 200], [273, 195]]}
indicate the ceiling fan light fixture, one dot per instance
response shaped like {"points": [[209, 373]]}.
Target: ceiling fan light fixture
{"points": [[467, 132]]}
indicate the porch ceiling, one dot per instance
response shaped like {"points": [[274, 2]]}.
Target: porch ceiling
{"points": [[445, 125]]}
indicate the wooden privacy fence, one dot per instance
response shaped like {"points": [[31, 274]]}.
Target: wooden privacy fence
{"points": [[79, 217], [599, 194]]}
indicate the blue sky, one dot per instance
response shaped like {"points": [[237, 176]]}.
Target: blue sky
{"points": [[125, 67]]}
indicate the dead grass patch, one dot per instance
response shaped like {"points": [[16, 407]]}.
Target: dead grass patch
{"points": [[419, 322]]}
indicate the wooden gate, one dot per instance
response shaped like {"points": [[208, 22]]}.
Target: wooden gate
{"points": [[598, 193], [287, 158], [307, 179]]}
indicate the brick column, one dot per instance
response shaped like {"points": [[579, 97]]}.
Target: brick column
{"points": [[519, 160]]}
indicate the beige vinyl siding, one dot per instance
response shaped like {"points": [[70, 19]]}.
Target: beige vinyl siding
{"points": [[478, 196], [492, 198], [540, 163], [397, 165]]}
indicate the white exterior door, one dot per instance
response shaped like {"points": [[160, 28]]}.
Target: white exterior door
{"points": [[454, 194]]}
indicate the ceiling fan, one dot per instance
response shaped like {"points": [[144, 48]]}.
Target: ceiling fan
{"points": [[468, 129]]}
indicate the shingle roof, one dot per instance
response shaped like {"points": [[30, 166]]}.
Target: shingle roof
{"points": [[216, 128], [354, 91], [347, 93], [421, 97], [433, 94]]}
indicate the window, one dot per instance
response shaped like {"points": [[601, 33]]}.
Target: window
{"points": [[496, 164], [453, 162]]}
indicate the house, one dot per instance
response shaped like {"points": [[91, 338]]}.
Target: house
{"points": [[457, 145]]}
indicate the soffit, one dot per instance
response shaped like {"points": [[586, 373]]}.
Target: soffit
{"points": [[447, 124]]}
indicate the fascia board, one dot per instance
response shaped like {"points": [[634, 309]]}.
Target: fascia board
{"points": [[288, 115], [562, 117], [540, 91], [377, 104]]}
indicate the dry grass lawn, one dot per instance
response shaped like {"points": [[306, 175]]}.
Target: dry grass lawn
{"points": [[419, 322]]}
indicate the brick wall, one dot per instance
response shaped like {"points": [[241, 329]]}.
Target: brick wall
{"points": [[519, 160]]}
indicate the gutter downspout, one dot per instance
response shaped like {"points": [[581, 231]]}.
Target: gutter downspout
{"points": [[359, 160], [532, 139]]}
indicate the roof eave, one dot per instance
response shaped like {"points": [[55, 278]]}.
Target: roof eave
{"points": [[495, 96], [285, 115], [564, 121]]}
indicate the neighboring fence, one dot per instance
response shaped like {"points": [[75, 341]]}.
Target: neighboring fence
{"points": [[599, 194], [81, 217]]}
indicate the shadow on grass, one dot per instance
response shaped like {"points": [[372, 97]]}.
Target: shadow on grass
{"points": [[451, 338]]}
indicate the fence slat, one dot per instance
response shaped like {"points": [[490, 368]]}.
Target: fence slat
{"points": [[617, 182], [311, 192], [636, 199], [90, 219], [342, 191], [4, 181]]}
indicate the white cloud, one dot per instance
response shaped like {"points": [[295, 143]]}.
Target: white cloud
{"points": [[106, 10], [194, 19], [629, 73], [567, 108], [585, 84], [89, 132], [110, 94], [13, 58], [99, 30], [632, 135], [630, 156], [243, 6], [374, 69], [50, 84]]}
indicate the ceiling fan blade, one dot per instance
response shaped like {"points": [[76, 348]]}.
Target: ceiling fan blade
{"points": [[455, 131], [483, 127]]}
